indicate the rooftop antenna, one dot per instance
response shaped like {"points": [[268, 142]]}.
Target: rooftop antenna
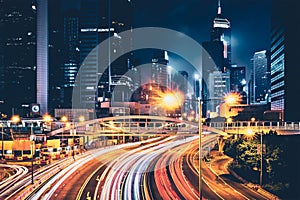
{"points": [[219, 7]]}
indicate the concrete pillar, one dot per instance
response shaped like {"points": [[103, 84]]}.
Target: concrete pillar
{"points": [[221, 143]]}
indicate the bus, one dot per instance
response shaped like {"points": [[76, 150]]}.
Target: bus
{"points": [[7, 150], [23, 150]]}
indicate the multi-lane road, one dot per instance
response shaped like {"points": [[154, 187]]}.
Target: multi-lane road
{"points": [[159, 168]]}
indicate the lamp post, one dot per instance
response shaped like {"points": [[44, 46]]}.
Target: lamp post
{"points": [[200, 147], [261, 159], [32, 152], [261, 151], [81, 120], [231, 99], [2, 141], [14, 119], [64, 119]]}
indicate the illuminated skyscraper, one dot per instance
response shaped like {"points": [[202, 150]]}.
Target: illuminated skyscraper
{"points": [[71, 54], [159, 71], [221, 31], [285, 68], [17, 55], [42, 55], [261, 77], [100, 20], [219, 84], [216, 60], [237, 78]]}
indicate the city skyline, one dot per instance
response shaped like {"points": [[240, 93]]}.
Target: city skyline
{"points": [[195, 19], [81, 34], [197, 22], [130, 99]]}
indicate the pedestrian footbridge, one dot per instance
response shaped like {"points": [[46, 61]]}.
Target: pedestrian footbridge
{"points": [[245, 127]]}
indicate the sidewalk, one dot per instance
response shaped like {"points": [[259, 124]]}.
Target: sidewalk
{"points": [[215, 156]]}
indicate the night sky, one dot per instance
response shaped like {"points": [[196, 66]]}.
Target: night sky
{"points": [[250, 21]]}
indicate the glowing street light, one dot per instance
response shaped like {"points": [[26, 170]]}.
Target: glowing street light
{"points": [[229, 120], [15, 119], [81, 118], [249, 132], [64, 119], [47, 118], [172, 100], [232, 98]]}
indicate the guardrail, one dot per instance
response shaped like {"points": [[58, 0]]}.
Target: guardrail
{"points": [[259, 124]]}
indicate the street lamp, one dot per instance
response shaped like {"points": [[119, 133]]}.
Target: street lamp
{"points": [[230, 100], [64, 119], [251, 133], [32, 154], [47, 118], [200, 147], [229, 120], [14, 119], [2, 141], [81, 118]]}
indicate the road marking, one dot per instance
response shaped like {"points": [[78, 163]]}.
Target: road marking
{"points": [[88, 196], [226, 183]]}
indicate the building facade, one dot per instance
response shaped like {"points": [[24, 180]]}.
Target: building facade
{"points": [[17, 55], [237, 78], [261, 77], [285, 68], [219, 84], [42, 83], [101, 20], [216, 61]]}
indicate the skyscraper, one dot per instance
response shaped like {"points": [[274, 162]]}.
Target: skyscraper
{"points": [[100, 20], [218, 87], [42, 55], [159, 72], [261, 77], [285, 58], [56, 56], [2, 75], [17, 54], [277, 57], [237, 78], [216, 60], [71, 53], [89, 24], [221, 31]]}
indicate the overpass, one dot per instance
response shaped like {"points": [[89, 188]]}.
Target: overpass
{"points": [[143, 125], [243, 127], [138, 124]]}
